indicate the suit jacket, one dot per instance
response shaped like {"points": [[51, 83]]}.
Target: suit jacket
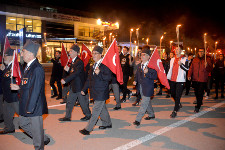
{"points": [[32, 91], [146, 81], [76, 75], [98, 84], [8, 94]]}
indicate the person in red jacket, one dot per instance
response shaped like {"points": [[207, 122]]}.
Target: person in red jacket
{"points": [[198, 72]]}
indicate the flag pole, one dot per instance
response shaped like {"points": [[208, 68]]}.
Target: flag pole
{"points": [[12, 67], [205, 46], [3, 50]]}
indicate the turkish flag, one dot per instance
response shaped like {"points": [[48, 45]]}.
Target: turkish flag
{"points": [[112, 61], [16, 69], [64, 56], [156, 63], [6, 45], [85, 54]]}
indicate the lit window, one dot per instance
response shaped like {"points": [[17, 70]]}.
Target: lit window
{"points": [[11, 23]]}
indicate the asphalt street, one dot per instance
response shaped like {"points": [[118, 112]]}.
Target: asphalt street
{"points": [[188, 131]]}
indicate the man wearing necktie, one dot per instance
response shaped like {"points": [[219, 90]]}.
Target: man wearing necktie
{"points": [[144, 80], [98, 83], [11, 103], [32, 96], [76, 80]]}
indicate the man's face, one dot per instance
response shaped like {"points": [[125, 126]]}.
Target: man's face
{"points": [[201, 52], [119, 49], [96, 56], [7, 59], [164, 56], [144, 57], [190, 57], [177, 51], [125, 51], [72, 53], [171, 55], [57, 55], [27, 56]]}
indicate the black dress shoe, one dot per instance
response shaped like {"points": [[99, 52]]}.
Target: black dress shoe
{"points": [[85, 118], [104, 127], [1, 121], [62, 102], [136, 123], [173, 115], [149, 118], [64, 119], [167, 96], [159, 93], [123, 100], [6, 132], [117, 108], [84, 132], [47, 141], [196, 110], [59, 97], [53, 96], [135, 104]]}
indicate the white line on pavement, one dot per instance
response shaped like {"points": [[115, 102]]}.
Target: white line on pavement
{"points": [[56, 105], [166, 129]]}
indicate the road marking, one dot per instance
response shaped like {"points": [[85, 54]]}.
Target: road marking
{"points": [[56, 105], [166, 129]]}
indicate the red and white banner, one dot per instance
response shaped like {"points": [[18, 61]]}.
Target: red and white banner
{"points": [[16, 72], [64, 56], [85, 55]]}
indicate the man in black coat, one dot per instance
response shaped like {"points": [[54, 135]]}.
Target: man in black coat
{"points": [[57, 71], [11, 103], [1, 96], [98, 83], [76, 80], [32, 96]]}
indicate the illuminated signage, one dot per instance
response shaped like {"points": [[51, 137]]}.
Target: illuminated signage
{"points": [[28, 35]]}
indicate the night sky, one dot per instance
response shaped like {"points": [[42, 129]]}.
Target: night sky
{"points": [[154, 17]]}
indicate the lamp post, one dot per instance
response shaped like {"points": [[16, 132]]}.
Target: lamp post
{"points": [[216, 45], [147, 40], [177, 31], [131, 30], [205, 45], [171, 45], [110, 38], [160, 46], [137, 33]]}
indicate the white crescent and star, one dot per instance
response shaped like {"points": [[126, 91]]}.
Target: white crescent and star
{"points": [[85, 54], [114, 60], [158, 61]]}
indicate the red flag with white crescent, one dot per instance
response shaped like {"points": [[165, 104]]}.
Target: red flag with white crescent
{"points": [[156, 63], [112, 61], [85, 54], [64, 56], [16, 69]]}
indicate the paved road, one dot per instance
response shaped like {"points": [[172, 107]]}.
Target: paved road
{"points": [[188, 131]]}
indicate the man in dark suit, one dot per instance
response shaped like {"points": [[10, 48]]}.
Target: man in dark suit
{"points": [[57, 72], [1, 96], [76, 80], [11, 103], [98, 83], [32, 96], [145, 78]]}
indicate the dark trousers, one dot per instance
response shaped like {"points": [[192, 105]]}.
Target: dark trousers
{"points": [[219, 80], [199, 88], [176, 89], [52, 82], [125, 91], [187, 86]]}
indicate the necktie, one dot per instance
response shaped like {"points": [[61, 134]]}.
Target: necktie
{"points": [[94, 68], [142, 66]]}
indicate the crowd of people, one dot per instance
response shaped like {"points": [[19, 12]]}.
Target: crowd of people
{"points": [[78, 84]]}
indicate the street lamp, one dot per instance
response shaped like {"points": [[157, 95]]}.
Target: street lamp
{"points": [[147, 40], [110, 37], [205, 46], [131, 30], [216, 45]]}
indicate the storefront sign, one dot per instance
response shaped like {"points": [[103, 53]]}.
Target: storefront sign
{"points": [[65, 17], [28, 35]]}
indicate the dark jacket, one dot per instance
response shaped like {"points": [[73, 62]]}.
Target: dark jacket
{"points": [[98, 84], [197, 71], [76, 75], [1, 76], [57, 69], [146, 81], [219, 70], [8, 94], [32, 91]]}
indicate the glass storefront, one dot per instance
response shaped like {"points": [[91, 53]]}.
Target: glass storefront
{"points": [[16, 23], [87, 31]]}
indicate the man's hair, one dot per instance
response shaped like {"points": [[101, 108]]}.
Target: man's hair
{"points": [[58, 52], [119, 46], [190, 54], [126, 48]]}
